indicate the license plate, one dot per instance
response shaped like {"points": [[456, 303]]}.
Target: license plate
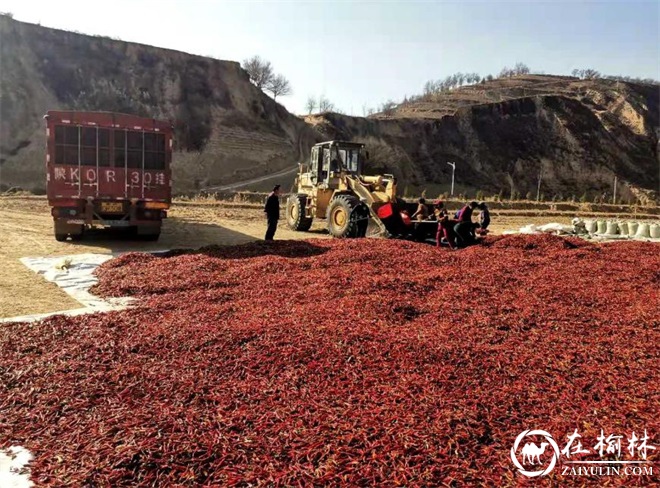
{"points": [[112, 207], [115, 223]]}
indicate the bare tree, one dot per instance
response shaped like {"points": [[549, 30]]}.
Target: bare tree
{"points": [[325, 105], [310, 105], [521, 69], [587, 74], [260, 71], [388, 107], [279, 85], [590, 74]]}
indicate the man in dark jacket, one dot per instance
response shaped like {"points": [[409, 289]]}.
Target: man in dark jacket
{"points": [[464, 229], [484, 216], [272, 210]]}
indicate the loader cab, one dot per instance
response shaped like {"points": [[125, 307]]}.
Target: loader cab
{"points": [[329, 159]]}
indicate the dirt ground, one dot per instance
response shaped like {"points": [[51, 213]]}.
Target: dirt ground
{"points": [[26, 230]]}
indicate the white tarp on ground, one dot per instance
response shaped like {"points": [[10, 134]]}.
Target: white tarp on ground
{"points": [[74, 274], [14, 472], [553, 228], [578, 229]]}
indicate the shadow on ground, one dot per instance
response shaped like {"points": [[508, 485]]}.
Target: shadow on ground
{"points": [[181, 236], [283, 248], [176, 234]]}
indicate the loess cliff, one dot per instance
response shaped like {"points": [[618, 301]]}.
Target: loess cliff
{"points": [[226, 129]]}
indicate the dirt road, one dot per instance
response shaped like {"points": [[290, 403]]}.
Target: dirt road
{"points": [[26, 230], [253, 181]]}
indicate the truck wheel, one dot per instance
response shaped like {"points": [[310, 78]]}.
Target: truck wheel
{"points": [[347, 217], [60, 237], [148, 232], [295, 213], [77, 236], [151, 237]]}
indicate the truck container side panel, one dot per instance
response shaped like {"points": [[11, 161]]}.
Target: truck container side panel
{"points": [[79, 182], [108, 156]]}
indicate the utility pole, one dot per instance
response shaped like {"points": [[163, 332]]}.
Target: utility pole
{"points": [[614, 197], [538, 188], [453, 170]]}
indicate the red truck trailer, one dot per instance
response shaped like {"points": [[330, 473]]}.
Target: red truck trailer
{"points": [[109, 170]]}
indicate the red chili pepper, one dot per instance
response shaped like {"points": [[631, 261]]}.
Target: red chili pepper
{"points": [[343, 362]]}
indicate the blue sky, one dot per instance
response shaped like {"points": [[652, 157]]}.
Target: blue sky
{"points": [[360, 54]]}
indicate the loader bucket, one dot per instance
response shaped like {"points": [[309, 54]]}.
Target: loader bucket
{"points": [[390, 216]]}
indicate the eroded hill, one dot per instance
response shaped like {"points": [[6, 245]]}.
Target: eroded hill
{"points": [[578, 134], [226, 129]]}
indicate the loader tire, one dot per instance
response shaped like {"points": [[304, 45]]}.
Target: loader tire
{"points": [[363, 225], [295, 213], [347, 217]]}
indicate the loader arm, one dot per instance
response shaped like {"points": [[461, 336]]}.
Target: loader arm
{"points": [[360, 190]]}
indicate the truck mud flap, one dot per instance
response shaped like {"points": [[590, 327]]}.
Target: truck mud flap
{"points": [[71, 227]]}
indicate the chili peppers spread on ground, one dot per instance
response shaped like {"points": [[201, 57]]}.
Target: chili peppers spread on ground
{"points": [[342, 362]]}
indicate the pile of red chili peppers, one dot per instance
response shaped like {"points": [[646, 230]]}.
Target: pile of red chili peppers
{"points": [[339, 362]]}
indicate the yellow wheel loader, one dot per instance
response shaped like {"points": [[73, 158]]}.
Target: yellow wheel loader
{"points": [[332, 187]]}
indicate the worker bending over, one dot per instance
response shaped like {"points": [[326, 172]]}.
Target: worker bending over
{"points": [[464, 228]]}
